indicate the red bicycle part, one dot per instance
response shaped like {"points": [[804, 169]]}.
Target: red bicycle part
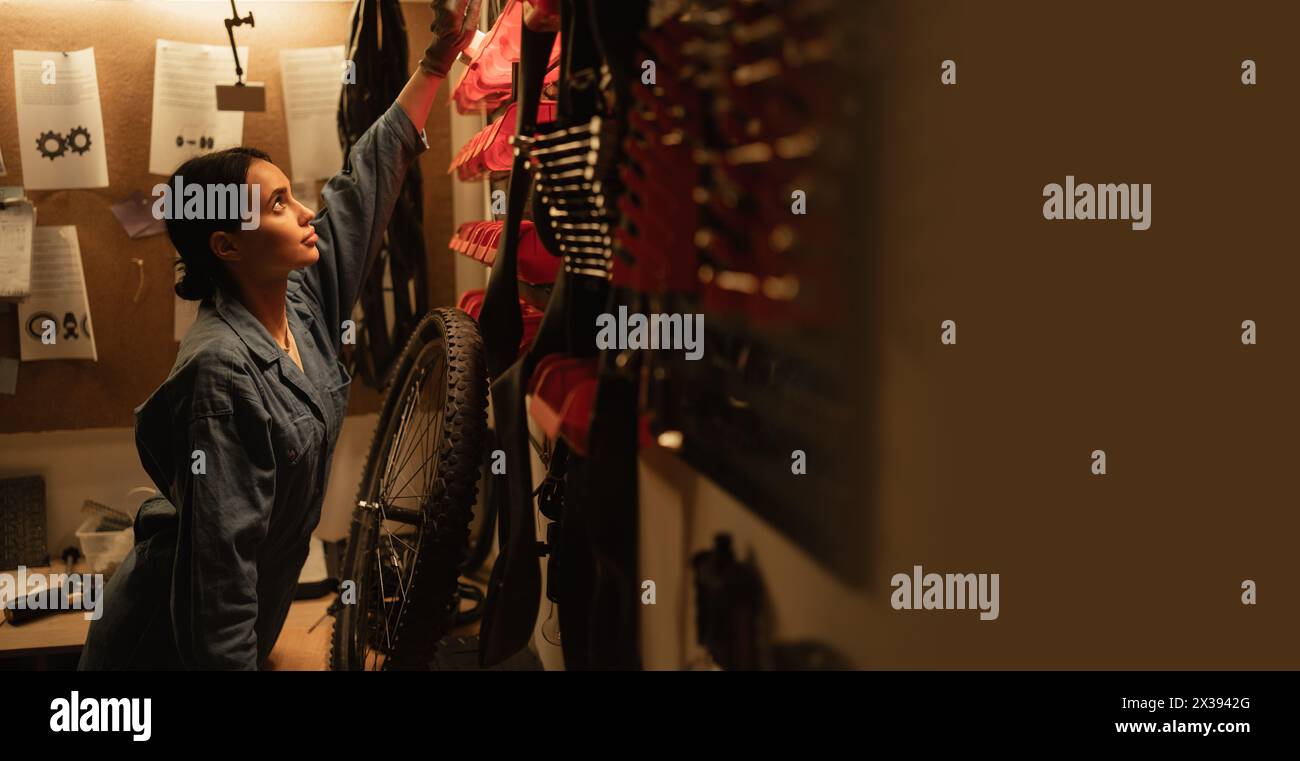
{"points": [[486, 83]]}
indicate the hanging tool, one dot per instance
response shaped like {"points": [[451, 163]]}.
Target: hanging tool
{"points": [[240, 96]]}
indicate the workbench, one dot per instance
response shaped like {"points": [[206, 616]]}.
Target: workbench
{"points": [[63, 634]]}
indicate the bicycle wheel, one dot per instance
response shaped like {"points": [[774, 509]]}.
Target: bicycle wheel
{"points": [[410, 530]]}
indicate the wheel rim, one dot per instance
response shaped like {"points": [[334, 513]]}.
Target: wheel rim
{"points": [[403, 489]]}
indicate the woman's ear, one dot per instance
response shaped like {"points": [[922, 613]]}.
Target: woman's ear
{"points": [[224, 246]]}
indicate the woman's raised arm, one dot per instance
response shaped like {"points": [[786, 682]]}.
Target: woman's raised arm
{"points": [[358, 202]]}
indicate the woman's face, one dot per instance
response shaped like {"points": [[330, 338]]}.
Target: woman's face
{"points": [[284, 239]]}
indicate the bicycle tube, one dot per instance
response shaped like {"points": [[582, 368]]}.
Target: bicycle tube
{"points": [[516, 573]]}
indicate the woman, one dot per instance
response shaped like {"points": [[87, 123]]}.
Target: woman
{"points": [[240, 436]]}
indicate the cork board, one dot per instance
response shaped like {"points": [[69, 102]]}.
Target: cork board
{"points": [[134, 339]]}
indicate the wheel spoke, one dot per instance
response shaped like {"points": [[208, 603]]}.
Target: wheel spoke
{"points": [[392, 537], [410, 496], [434, 417], [411, 477], [434, 413], [397, 566], [398, 490], [379, 562], [389, 460], [391, 471], [413, 407]]}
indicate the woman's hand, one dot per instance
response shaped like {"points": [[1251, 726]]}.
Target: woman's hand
{"points": [[454, 24]]}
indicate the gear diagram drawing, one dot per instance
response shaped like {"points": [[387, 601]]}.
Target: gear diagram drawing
{"points": [[43, 145], [79, 147], [53, 144]]}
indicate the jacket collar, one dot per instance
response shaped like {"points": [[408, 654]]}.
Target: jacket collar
{"points": [[264, 348], [246, 326], [249, 329]]}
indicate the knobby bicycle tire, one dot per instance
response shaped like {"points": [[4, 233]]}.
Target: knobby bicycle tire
{"points": [[448, 339]]}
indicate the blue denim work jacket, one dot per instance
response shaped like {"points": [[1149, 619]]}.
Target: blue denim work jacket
{"points": [[216, 562]]}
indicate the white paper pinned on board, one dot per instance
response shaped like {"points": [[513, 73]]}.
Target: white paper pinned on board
{"points": [[186, 122], [58, 296], [17, 226], [3, 171], [60, 125], [311, 81]]}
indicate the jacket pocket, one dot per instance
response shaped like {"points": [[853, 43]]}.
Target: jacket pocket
{"points": [[338, 392], [295, 439]]}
